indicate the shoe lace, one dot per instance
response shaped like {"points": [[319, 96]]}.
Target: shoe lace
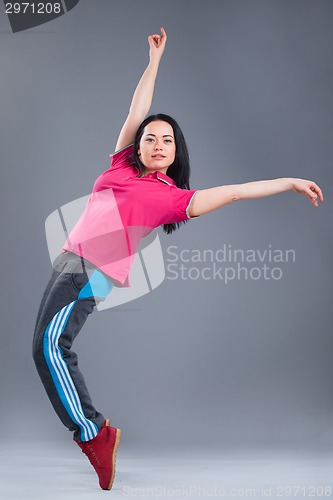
{"points": [[93, 458]]}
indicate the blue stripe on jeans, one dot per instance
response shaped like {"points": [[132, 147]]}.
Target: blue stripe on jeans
{"points": [[98, 286], [60, 373]]}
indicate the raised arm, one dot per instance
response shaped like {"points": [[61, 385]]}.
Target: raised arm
{"points": [[144, 91], [207, 200]]}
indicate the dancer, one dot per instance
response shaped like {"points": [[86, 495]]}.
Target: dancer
{"points": [[146, 186]]}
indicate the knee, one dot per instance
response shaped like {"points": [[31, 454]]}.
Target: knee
{"points": [[38, 345], [37, 349]]}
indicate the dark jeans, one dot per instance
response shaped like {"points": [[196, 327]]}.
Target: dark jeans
{"points": [[75, 288]]}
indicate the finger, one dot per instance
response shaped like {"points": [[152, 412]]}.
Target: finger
{"points": [[164, 35], [157, 40], [313, 201], [309, 195], [320, 193], [317, 189]]}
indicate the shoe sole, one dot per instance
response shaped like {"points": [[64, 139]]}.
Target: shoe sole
{"points": [[114, 456]]}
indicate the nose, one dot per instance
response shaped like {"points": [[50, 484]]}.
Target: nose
{"points": [[158, 145]]}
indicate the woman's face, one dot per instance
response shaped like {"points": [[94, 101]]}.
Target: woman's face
{"points": [[157, 147]]}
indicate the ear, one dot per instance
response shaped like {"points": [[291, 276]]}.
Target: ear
{"points": [[139, 152]]}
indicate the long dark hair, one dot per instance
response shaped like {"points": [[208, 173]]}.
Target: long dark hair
{"points": [[179, 170]]}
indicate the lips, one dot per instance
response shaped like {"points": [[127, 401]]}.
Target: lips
{"points": [[158, 156]]}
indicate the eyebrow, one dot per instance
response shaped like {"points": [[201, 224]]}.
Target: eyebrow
{"points": [[166, 135]]}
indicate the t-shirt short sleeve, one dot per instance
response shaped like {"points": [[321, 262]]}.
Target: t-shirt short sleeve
{"points": [[181, 202], [122, 157]]}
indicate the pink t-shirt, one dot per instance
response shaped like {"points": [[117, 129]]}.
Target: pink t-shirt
{"points": [[122, 209]]}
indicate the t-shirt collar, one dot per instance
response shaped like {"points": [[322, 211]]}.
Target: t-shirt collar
{"points": [[161, 177], [164, 178]]}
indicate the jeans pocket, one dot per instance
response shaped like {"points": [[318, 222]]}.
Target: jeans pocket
{"points": [[78, 274]]}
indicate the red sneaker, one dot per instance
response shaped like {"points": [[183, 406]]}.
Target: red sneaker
{"points": [[101, 452]]}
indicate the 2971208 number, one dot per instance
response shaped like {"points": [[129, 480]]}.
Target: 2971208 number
{"points": [[31, 7], [304, 490]]}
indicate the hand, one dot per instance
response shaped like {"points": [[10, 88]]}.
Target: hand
{"points": [[309, 188], [157, 45]]}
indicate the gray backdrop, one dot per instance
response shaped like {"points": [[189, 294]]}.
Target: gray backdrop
{"points": [[197, 361]]}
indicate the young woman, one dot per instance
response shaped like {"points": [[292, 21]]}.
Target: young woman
{"points": [[146, 186]]}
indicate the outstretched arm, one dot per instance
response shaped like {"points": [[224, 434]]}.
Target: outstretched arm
{"points": [[144, 91], [207, 200]]}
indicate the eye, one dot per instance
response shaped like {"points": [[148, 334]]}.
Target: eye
{"points": [[149, 139], [168, 140]]}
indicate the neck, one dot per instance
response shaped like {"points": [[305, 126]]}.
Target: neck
{"points": [[162, 170]]}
